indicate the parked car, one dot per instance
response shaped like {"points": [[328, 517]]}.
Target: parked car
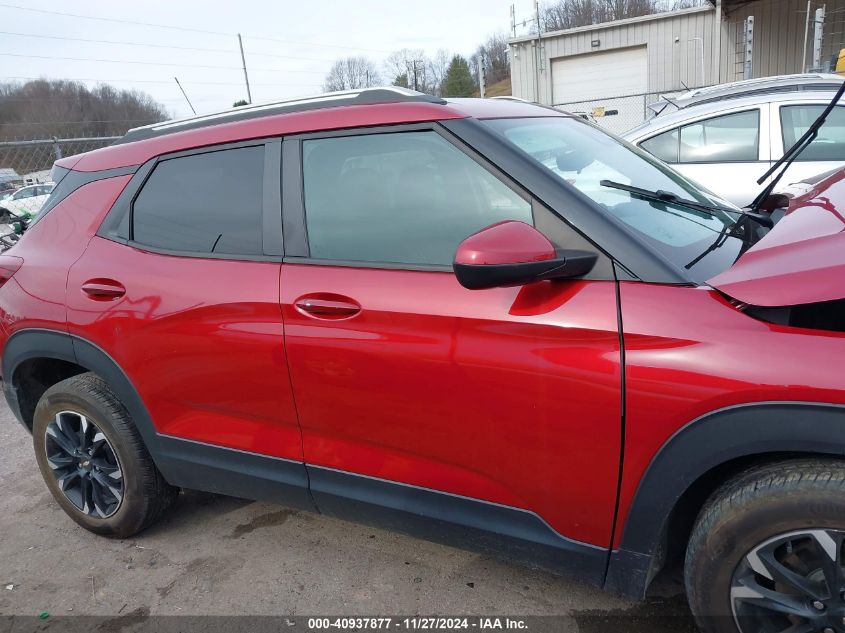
{"points": [[24, 202], [479, 321], [726, 145]]}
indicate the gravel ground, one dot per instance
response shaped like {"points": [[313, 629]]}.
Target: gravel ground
{"points": [[214, 555]]}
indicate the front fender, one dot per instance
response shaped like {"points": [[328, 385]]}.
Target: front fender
{"points": [[698, 448]]}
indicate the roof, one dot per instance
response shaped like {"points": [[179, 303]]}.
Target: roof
{"points": [[681, 116], [328, 112], [613, 24], [759, 86]]}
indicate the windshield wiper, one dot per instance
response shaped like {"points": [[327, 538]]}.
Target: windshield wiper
{"points": [[670, 198], [794, 152]]}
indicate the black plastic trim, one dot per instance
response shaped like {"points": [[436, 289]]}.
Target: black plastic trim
{"points": [[567, 265], [452, 519], [702, 445], [228, 471], [72, 181]]}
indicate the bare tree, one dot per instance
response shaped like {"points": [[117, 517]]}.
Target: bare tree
{"points": [[438, 66], [568, 14], [65, 108], [493, 53], [411, 68], [352, 73]]}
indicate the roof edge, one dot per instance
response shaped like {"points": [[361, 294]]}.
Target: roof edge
{"points": [[609, 25]]}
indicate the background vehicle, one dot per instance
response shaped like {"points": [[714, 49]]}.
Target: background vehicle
{"points": [[726, 145], [454, 318], [25, 202]]}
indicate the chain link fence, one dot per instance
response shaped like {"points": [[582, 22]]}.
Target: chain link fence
{"points": [[25, 170], [617, 114]]}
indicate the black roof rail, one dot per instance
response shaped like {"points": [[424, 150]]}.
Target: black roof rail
{"points": [[365, 96]]}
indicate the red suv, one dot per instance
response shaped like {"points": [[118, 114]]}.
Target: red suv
{"points": [[480, 321]]}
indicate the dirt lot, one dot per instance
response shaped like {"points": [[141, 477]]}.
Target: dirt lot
{"points": [[222, 556]]}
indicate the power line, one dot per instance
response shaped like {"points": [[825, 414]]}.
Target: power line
{"points": [[180, 28], [161, 81], [169, 46], [142, 63]]}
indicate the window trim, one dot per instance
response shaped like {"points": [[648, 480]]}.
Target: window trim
{"points": [[680, 126], [297, 249], [118, 226]]}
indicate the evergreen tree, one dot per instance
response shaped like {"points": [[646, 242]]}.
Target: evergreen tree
{"points": [[458, 81]]}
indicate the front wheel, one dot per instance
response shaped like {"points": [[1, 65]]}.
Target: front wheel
{"points": [[94, 461], [766, 553]]}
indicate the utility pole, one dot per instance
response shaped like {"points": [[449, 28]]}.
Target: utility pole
{"points": [[806, 35], [416, 86], [184, 94], [537, 53], [481, 85], [818, 34], [246, 77], [513, 20]]}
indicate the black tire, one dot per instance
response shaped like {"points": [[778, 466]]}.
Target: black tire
{"points": [[145, 495], [764, 505]]}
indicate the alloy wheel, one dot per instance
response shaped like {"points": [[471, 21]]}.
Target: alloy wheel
{"points": [[84, 464], [793, 583]]}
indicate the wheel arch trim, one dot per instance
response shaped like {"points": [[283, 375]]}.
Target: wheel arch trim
{"points": [[32, 343], [698, 449]]}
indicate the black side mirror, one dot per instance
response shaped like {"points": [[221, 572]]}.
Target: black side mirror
{"points": [[513, 253]]}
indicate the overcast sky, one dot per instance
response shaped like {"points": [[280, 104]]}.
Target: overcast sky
{"points": [[301, 40]]}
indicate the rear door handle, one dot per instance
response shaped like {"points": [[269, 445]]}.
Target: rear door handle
{"points": [[103, 289], [327, 306]]}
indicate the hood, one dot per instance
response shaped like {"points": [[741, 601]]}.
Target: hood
{"points": [[802, 259]]}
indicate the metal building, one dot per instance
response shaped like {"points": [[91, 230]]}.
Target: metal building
{"points": [[614, 70]]}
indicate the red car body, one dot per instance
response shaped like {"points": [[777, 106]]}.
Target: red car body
{"points": [[601, 411]]}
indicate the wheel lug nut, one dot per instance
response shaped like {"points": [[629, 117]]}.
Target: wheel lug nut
{"points": [[818, 605]]}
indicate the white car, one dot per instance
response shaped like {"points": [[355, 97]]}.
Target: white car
{"points": [[726, 145], [26, 201]]}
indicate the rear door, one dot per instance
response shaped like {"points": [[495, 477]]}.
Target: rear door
{"points": [[181, 287], [791, 120], [508, 395]]}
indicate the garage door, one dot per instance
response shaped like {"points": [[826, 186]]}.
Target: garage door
{"points": [[587, 83]]}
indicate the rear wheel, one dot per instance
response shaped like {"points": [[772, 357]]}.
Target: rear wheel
{"points": [[94, 461], [766, 554]]}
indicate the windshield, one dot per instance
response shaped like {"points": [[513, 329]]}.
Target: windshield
{"points": [[583, 155]]}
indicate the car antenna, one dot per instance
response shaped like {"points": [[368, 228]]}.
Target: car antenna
{"points": [[793, 152]]}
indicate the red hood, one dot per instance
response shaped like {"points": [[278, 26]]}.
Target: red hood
{"points": [[802, 259]]}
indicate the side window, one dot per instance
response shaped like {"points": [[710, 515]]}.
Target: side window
{"points": [[205, 203], [23, 194], [728, 138], [406, 198], [664, 146], [830, 143]]}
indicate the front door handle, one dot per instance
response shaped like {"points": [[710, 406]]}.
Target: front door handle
{"points": [[103, 289], [327, 306]]}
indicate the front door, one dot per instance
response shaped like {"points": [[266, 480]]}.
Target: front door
{"points": [[509, 395]]}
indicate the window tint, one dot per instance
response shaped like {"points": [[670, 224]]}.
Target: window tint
{"points": [[732, 137], [207, 203], [830, 143], [408, 197], [664, 146]]}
